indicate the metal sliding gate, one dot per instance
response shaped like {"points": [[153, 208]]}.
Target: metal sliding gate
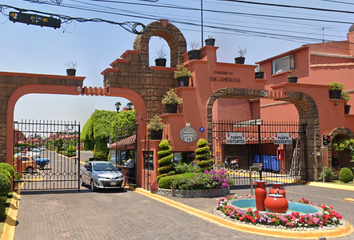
{"points": [[279, 147], [47, 155]]}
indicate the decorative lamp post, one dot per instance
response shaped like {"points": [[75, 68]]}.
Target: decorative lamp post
{"points": [[117, 106], [129, 106]]}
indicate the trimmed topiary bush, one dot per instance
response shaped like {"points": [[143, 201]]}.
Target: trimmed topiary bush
{"points": [[8, 168], [5, 186], [204, 155], [3, 200], [5, 172], [165, 182], [345, 175], [166, 157]]}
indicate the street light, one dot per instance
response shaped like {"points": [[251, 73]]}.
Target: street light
{"points": [[129, 105], [117, 106]]}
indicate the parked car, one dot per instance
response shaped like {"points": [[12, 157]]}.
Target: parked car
{"points": [[42, 162], [43, 148], [101, 174], [36, 153], [28, 164]]}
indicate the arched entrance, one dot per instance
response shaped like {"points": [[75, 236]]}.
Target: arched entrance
{"points": [[307, 129]]}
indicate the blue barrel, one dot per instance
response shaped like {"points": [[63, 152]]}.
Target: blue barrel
{"points": [[275, 164], [255, 159], [267, 163]]}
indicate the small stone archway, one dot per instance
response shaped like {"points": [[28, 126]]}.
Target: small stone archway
{"points": [[171, 34], [345, 132], [307, 109]]}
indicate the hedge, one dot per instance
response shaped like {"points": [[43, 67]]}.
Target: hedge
{"points": [[346, 175], [8, 168]]}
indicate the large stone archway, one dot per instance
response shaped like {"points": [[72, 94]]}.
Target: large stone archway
{"points": [[308, 114]]}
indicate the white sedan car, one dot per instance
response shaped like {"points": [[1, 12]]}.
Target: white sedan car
{"points": [[101, 174], [35, 153]]}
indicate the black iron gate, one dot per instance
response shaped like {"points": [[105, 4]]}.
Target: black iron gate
{"points": [[279, 147], [47, 155]]}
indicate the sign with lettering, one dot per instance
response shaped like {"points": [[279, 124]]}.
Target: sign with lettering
{"points": [[235, 138], [224, 77], [188, 134], [283, 138]]}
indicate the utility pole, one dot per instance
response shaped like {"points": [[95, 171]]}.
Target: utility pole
{"points": [[201, 21]]}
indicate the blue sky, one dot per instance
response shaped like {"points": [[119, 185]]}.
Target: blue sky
{"points": [[43, 50]]}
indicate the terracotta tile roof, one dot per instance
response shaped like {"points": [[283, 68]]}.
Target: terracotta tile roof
{"points": [[124, 142]]}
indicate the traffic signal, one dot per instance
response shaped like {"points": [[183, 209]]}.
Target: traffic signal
{"points": [[34, 19], [108, 139], [326, 140]]}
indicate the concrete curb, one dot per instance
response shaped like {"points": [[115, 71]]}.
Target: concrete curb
{"points": [[331, 186], [337, 232], [8, 231]]}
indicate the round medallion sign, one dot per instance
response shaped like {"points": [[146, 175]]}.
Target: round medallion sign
{"points": [[188, 134]]}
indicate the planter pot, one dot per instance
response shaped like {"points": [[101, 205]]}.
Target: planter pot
{"points": [[240, 60], [292, 79], [261, 194], [160, 62], [346, 109], [276, 203], [210, 41], [278, 189], [335, 94], [171, 108], [193, 54], [71, 72], [259, 75], [156, 135], [183, 81]]}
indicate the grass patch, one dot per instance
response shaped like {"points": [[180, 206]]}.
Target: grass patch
{"points": [[342, 183], [7, 207]]}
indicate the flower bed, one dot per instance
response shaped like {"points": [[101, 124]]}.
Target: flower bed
{"points": [[294, 221]]}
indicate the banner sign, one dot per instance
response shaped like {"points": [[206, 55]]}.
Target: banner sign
{"points": [[235, 138], [283, 138]]}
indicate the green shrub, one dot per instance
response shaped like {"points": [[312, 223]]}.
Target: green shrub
{"points": [[345, 175], [203, 155], [2, 212], [165, 182], [5, 172], [100, 155], [328, 175], [3, 200], [17, 176], [184, 167], [166, 157], [5, 185], [8, 168], [71, 148]]}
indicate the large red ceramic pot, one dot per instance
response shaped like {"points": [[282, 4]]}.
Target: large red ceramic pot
{"points": [[278, 186], [261, 194], [276, 203]]}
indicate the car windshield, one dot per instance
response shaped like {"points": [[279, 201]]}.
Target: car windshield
{"points": [[104, 167]]}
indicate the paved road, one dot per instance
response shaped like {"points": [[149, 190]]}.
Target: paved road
{"points": [[130, 215]]}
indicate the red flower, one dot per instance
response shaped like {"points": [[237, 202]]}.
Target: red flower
{"points": [[253, 220], [250, 210], [273, 220]]}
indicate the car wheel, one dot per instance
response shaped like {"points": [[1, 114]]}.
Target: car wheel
{"points": [[82, 181], [41, 166], [29, 170], [93, 187]]}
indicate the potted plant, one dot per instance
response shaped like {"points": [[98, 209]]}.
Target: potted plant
{"points": [[161, 60], [171, 100], [291, 77], [335, 90], [71, 68], [182, 75], [155, 127], [241, 56], [259, 74], [346, 97], [210, 41], [194, 53]]}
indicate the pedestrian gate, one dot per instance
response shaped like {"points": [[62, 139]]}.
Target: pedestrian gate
{"points": [[279, 147], [46, 155]]}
